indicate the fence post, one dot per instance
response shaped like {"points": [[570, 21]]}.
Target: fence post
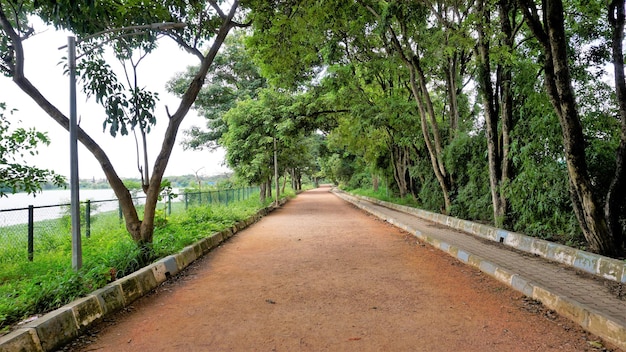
{"points": [[88, 218], [31, 233], [169, 204], [186, 201], [210, 197], [119, 211]]}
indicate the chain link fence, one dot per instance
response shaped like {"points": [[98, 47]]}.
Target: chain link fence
{"points": [[24, 232]]}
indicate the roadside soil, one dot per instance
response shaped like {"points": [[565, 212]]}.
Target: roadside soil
{"points": [[321, 275]]}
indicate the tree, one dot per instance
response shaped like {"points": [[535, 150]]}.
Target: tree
{"points": [[548, 27], [15, 173], [406, 27], [253, 128], [207, 23], [234, 77], [614, 204], [497, 96]]}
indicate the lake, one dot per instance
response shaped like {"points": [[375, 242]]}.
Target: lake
{"points": [[48, 201]]}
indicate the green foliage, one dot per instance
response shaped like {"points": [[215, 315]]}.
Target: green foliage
{"points": [[384, 195], [15, 173], [234, 77], [539, 195], [466, 162], [127, 106], [254, 125], [66, 210]]}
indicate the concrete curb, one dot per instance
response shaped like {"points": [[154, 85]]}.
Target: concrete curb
{"points": [[61, 326], [589, 319]]}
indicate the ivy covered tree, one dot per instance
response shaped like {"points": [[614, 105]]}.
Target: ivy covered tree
{"points": [[548, 26]]}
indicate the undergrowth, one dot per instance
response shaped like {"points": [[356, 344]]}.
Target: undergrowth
{"points": [[384, 195]]}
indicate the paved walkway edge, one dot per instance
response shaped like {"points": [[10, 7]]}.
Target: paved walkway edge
{"points": [[61, 326], [588, 318]]}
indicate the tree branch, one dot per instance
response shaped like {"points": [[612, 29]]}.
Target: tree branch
{"points": [[190, 49], [218, 10]]}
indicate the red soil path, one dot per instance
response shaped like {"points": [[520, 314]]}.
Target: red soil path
{"points": [[320, 275]]}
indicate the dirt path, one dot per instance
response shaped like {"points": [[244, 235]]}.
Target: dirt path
{"points": [[320, 275]]}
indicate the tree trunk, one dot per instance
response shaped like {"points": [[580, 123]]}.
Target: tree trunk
{"points": [[451, 88], [506, 106], [552, 38], [491, 116], [497, 143], [262, 192], [284, 185], [399, 159], [616, 194], [300, 181]]}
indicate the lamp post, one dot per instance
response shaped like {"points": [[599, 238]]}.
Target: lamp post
{"points": [[77, 257]]}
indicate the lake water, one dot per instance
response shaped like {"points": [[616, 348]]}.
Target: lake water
{"points": [[52, 197], [47, 203]]}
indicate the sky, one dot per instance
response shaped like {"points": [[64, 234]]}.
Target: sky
{"points": [[44, 70]]}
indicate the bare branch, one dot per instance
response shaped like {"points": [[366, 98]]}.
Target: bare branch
{"points": [[242, 25], [531, 15], [190, 49], [218, 9]]}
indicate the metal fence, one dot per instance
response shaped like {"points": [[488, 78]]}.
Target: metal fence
{"points": [[37, 229]]}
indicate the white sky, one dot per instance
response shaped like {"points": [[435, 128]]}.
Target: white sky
{"points": [[44, 71]]}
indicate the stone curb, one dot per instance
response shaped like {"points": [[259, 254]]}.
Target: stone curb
{"points": [[588, 318], [57, 328]]}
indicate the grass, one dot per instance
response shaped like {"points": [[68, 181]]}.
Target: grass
{"points": [[383, 195], [30, 288]]}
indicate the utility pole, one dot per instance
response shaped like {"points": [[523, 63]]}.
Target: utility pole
{"points": [[77, 249], [276, 171]]}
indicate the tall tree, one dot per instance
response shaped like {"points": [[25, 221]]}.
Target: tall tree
{"points": [[497, 96], [406, 26], [614, 204], [548, 27], [206, 23]]}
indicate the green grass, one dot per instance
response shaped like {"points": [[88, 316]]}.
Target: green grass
{"points": [[383, 195], [29, 288]]}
